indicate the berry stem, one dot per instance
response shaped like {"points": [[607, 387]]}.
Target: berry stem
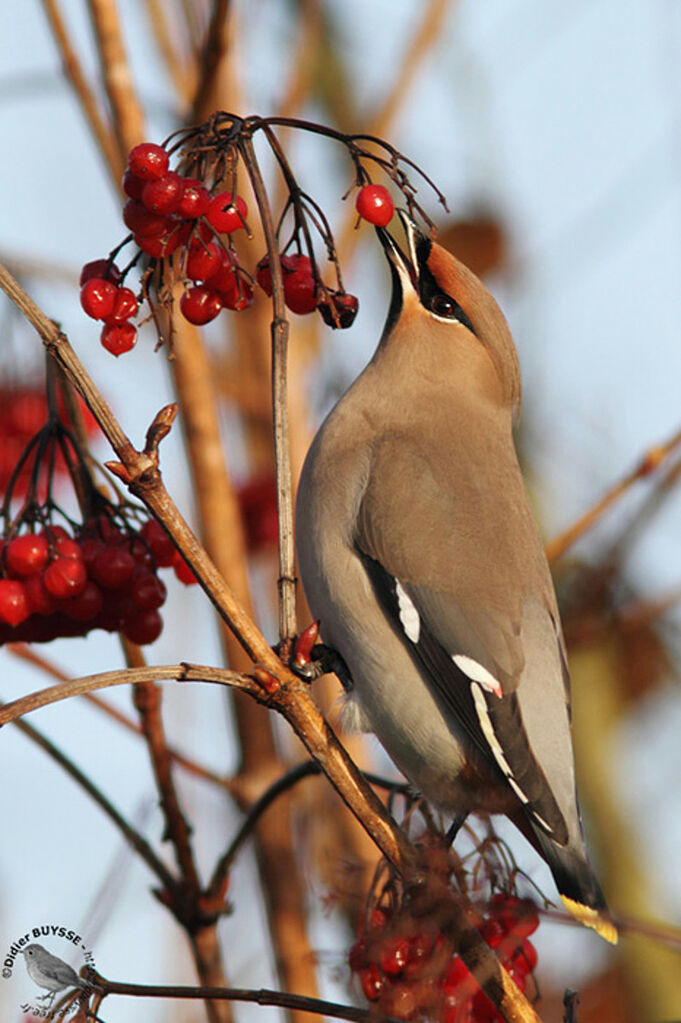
{"points": [[282, 455]]}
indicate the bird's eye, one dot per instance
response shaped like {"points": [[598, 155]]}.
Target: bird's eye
{"points": [[443, 305]]}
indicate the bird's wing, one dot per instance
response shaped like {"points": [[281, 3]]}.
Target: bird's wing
{"points": [[56, 969], [471, 653]]}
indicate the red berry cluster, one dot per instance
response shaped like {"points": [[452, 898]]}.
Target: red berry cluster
{"points": [[167, 210], [103, 297], [258, 506], [23, 411], [184, 211], [101, 576], [408, 970], [301, 293]]}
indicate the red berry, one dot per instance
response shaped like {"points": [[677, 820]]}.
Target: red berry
{"points": [[372, 982], [163, 195], [357, 956], [200, 304], [300, 288], [147, 160], [118, 338], [160, 544], [65, 546], [234, 290], [97, 297], [456, 975], [195, 199], [493, 932], [203, 259], [90, 547], [224, 215], [132, 185], [113, 568], [125, 306], [147, 590], [102, 268], [375, 205], [14, 607], [339, 310], [142, 221], [515, 915], [65, 577], [483, 1010], [526, 957], [183, 571], [87, 604], [163, 246], [40, 601], [394, 955], [143, 627], [25, 555]]}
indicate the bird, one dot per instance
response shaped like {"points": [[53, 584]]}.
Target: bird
{"points": [[49, 971], [421, 558]]}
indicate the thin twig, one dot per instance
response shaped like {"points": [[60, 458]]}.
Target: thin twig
{"points": [[120, 677], [280, 331], [139, 844], [263, 996], [26, 653], [88, 102], [147, 700], [645, 467]]}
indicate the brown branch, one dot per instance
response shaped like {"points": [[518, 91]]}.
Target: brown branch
{"points": [[125, 107], [280, 331], [147, 700], [650, 462], [27, 653], [263, 996], [279, 687], [123, 676], [88, 102], [139, 844]]}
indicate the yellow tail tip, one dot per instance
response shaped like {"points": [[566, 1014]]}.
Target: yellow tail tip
{"points": [[591, 918]]}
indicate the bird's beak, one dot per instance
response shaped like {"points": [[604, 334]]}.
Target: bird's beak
{"points": [[406, 264]]}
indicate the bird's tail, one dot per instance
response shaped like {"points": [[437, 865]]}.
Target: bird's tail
{"points": [[577, 885]]}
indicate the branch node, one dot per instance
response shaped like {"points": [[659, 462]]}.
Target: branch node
{"points": [[267, 680], [159, 429], [119, 470]]}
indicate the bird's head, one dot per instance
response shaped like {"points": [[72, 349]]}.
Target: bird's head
{"points": [[442, 314], [31, 950]]}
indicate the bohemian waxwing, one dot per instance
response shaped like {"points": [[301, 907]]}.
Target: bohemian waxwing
{"points": [[419, 554]]}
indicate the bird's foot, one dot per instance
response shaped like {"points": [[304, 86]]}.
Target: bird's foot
{"points": [[312, 659]]}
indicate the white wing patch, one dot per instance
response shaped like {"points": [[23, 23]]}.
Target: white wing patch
{"points": [[495, 746], [409, 616], [478, 673], [488, 729]]}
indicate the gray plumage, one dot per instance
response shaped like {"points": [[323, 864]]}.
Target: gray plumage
{"points": [[420, 556], [49, 971]]}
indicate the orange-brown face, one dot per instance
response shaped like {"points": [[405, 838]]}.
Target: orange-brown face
{"points": [[437, 298]]}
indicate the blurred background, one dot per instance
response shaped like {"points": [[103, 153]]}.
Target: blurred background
{"points": [[553, 130]]}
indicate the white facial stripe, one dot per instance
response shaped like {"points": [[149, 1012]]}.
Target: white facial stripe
{"points": [[478, 673], [409, 616], [488, 728]]}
